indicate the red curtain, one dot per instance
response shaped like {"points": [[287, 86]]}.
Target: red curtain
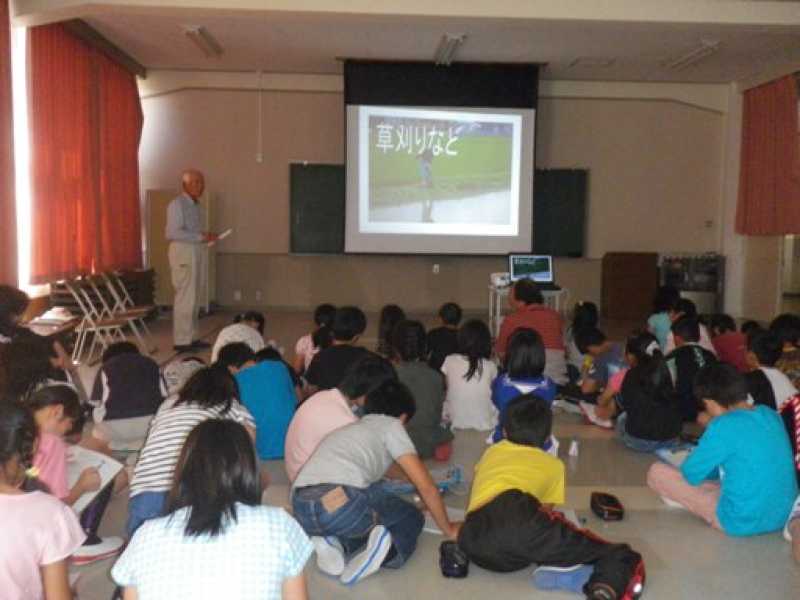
{"points": [[85, 126], [769, 178], [8, 221]]}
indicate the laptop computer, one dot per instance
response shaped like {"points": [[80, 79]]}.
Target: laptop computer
{"points": [[538, 267]]}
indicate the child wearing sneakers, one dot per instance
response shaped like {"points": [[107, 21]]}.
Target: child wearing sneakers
{"points": [[358, 526], [509, 524], [740, 478]]}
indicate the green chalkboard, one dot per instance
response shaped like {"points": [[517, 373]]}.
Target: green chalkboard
{"points": [[317, 208], [559, 212]]}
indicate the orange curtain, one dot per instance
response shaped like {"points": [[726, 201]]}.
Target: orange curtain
{"points": [[8, 221], [85, 126], [769, 178]]}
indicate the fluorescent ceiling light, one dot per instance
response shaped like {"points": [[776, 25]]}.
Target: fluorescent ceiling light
{"points": [[447, 48], [705, 49], [201, 38]]}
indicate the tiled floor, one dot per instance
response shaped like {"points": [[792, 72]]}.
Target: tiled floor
{"points": [[685, 559]]}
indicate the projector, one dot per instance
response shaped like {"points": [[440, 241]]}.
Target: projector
{"points": [[500, 280]]}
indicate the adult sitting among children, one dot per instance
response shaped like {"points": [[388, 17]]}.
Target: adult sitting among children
{"points": [[530, 312]]}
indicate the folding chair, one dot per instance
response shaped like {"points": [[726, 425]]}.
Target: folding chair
{"points": [[105, 306], [103, 330], [123, 303]]}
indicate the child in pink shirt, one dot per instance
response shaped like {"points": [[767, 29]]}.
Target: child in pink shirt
{"points": [[39, 531], [57, 412]]}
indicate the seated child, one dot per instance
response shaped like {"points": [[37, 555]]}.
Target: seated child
{"points": [[307, 346], [127, 391], [211, 393], [659, 322], [469, 376], [584, 316], [391, 315], [730, 345], [443, 340], [607, 359], [338, 497], [40, 532], [267, 392], [524, 374], [57, 412], [510, 525], [651, 418], [792, 530], [787, 328], [767, 385], [178, 371], [684, 362], [685, 308], [427, 386], [749, 445], [329, 410], [328, 367], [216, 540], [246, 327]]}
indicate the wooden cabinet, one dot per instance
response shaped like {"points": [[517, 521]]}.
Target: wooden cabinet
{"points": [[630, 281]]}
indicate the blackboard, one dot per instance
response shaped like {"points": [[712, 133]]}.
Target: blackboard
{"points": [[317, 209], [559, 212]]}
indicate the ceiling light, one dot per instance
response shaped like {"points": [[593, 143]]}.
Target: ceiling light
{"points": [[447, 48], [706, 48], [201, 38]]}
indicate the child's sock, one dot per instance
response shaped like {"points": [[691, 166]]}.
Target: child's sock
{"points": [[571, 578]]}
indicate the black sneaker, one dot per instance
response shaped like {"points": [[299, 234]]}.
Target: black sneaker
{"points": [[200, 345], [183, 347]]}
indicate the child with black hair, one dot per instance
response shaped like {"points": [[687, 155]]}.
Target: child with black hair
{"points": [[767, 385], [247, 327], [524, 374], [469, 375], [740, 478], [427, 386], [329, 366], [730, 345], [584, 316], [127, 391], [607, 359], [40, 532], [216, 540], [57, 412], [684, 363], [510, 524], [310, 344], [266, 389], [650, 418], [391, 315], [443, 340], [747, 326], [787, 328], [358, 526], [211, 393], [659, 322], [686, 309]]}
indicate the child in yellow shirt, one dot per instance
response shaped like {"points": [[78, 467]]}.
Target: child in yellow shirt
{"points": [[510, 526]]}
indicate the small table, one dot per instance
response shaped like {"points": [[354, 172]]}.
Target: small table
{"points": [[51, 328], [555, 299]]}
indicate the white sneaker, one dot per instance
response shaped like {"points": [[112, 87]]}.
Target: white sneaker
{"points": [[671, 503], [369, 560], [108, 547], [330, 555]]}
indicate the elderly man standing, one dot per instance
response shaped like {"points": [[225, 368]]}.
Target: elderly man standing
{"points": [[187, 243]]}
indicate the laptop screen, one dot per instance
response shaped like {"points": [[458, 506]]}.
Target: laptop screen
{"points": [[531, 266]]}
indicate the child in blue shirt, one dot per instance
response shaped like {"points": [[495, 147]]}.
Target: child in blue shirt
{"points": [[740, 478], [524, 374]]}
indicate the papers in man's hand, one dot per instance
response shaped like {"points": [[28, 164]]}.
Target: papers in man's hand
{"points": [[673, 457], [454, 514], [221, 236], [78, 459], [590, 412]]}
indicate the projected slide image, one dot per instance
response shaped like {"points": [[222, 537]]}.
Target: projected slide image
{"points": [[440, 169]]}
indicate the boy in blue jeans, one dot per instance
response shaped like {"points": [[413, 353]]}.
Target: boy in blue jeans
{"points": [[740, 478]]}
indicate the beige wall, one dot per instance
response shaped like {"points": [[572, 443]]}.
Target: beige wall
{"points": [[655, 173], [762, 273]]}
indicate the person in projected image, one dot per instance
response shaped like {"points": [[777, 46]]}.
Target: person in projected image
{"points": [[426, 181]]}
